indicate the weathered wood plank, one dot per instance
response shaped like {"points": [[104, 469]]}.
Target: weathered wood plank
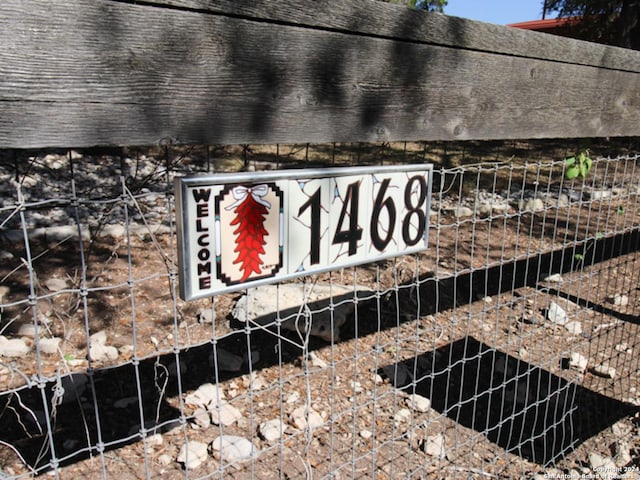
{"points": [[396, 22], [82, 72]]}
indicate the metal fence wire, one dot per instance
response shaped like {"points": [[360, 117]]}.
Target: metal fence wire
{"points": [[507, 349]]}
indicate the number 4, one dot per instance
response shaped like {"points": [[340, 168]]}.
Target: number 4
{"points": [[354, 233]]}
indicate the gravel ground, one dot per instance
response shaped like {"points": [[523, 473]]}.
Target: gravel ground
{"points": [[466, 325]]}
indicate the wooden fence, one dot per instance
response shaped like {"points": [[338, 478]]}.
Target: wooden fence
{"points": [[84, 73], [108, 72]]}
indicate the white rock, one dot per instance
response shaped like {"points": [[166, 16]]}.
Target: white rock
{"points": [[366, 434], [164, 460], [572, 475], [230, 448], [27, 330], [562, 201], [532, 317], [76, 362], [619, 300], [61, 233], [154, 440], [98, 338], [316, 361], [556, 314], [604, 371], [574, 327], [206, 396], [578, 361], [272, 430], [620, 429], [622, 452], [623, 347], [599, 194], [225, 414], [193, 454], [56, 284], [13, 348], [260, 304], [75, 155], [253, 381], [462, 212], [418, 403], [206, 315], [293, 397], [303, 417], [201, 418], [402, 415], [531, 205], [553, 472], [555, 278], [434, 446], [487, 209], [49, 346], [605, 467], [115, 231], [100, 353]]}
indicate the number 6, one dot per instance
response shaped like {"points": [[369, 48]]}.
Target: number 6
{"points": [[379, 242]]}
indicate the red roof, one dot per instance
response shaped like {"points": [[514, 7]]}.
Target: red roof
{"points": [[546, 25]]}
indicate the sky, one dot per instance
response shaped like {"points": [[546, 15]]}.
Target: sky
{"points": [[501, 12]]}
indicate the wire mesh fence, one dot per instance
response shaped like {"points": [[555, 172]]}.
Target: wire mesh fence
{"points": [[506, 349]]}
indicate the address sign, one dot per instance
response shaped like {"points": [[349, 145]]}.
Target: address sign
{"points": [[245, 229]]}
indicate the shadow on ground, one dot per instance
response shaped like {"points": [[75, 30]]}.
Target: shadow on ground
{"points": [[522, 408]]}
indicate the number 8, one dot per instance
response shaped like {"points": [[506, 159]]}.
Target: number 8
{"points": [[414, 210]]}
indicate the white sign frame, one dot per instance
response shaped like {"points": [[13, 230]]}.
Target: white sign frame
{"points": [[291, 223]]}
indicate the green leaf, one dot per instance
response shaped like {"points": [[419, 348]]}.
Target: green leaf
{"points": [[620, 210], [579, 257], [578, 166], [599, 236], [572, 172], [583, 169]]}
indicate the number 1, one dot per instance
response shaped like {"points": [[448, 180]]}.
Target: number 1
{"points": [[314, 204]]}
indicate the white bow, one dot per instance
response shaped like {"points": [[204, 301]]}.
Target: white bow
{"points": [[240, 193]]}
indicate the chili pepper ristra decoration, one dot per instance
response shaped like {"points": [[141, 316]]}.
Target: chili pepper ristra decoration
{"points": [[250, 210], [249, 232]]}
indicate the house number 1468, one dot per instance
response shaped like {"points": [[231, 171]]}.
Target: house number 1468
{"points": [[414, 220]]}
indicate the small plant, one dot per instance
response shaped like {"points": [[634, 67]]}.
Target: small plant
{"points": [[579, 257], [578, 166]]}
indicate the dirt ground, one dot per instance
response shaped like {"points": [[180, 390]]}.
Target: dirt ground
{"points": [[463, 324]]}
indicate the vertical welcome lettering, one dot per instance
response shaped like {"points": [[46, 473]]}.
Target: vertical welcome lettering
{"points": [[203, 239]]}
